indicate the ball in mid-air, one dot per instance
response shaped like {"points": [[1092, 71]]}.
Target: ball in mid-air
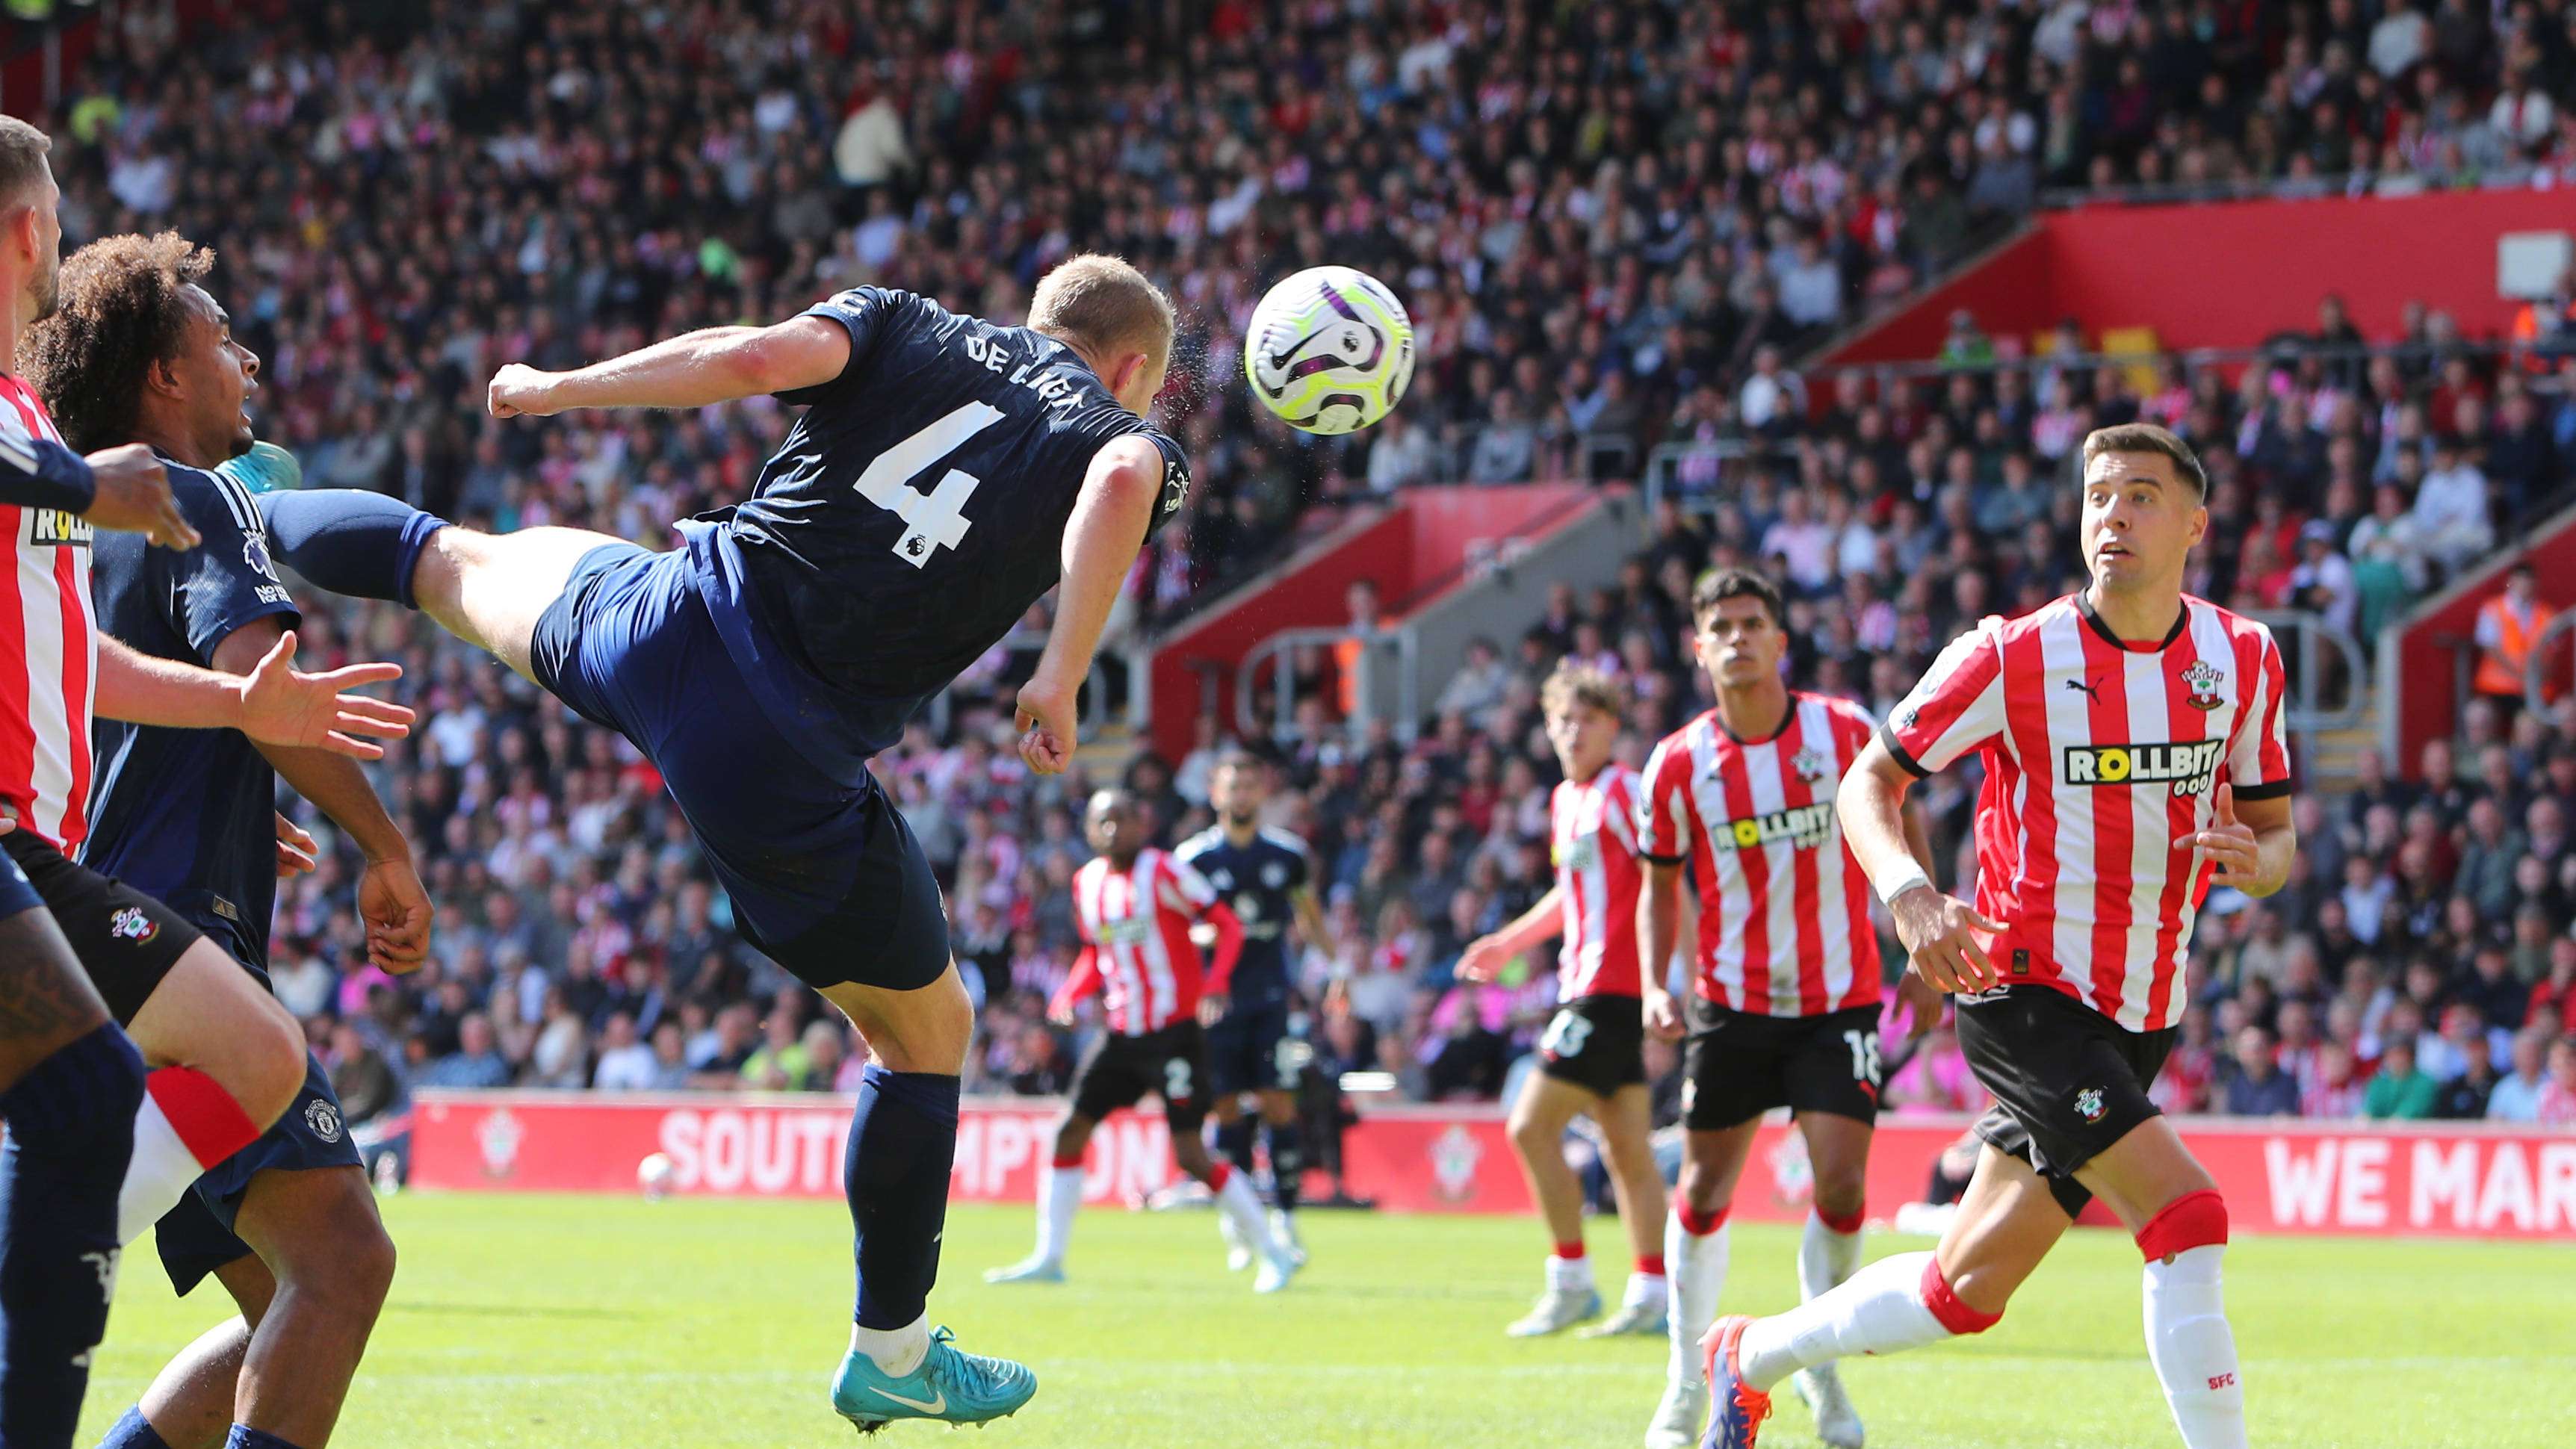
{"points": [[1330, 350], [654, 1174]]}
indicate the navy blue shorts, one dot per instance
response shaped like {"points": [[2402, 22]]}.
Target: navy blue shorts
{"points": [[196, 1237], [1250, 1050], [825, 878], [17, 893]]}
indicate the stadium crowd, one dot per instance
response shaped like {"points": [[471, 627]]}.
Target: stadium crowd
{"points": [[1615, 226]]}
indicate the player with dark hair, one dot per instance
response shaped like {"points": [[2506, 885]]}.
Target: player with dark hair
{"points": [[1134, 907], [1268, 876], [1592, 1059], [760, 666], [2135, 754], [1784, 1004], [97, 1148], [140, 352]]}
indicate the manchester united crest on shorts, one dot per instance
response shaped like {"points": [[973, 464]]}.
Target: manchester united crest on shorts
{"points": [[2202, 681], [323, 1118], [130, 924], [2088, 1104]]}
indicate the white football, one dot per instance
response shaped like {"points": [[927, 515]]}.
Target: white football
{"points": [[653, 1175], [1330, 350]]}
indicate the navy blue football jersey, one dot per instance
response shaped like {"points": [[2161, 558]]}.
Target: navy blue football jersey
{"points": [[1260, 881], [189, 816], [913, 515]]}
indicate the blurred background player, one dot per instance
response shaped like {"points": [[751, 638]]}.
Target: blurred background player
{"points": [[1134, 907], [837, 601], [1785, 999], [139, 352], [1267, 876], [2125, 729], [1592, 1058]]}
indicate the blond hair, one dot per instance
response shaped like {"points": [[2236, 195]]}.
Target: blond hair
{"points": [[1103, 303], [1581, 684]]}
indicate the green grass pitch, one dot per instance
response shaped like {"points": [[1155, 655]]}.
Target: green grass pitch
{"points": [[549, 1322]]}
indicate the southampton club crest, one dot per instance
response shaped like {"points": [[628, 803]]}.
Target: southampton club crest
{"points": [[2088, 1104], [1810, 764], [2202, 683], [130, 924]]}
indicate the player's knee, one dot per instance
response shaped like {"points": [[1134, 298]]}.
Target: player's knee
{"points": [[1702, 1190], [265, 1070], [2196, 1219], [1967, 1299], [1841, 1197]]}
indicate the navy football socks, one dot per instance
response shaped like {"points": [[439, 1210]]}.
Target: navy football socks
{"points": [[903, 1139], [244, 1436], [1287, 1164], [133, 1432], [71, 1128], [348, 540], [1234, 1144]]}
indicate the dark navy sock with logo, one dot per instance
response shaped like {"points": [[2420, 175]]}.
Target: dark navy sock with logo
{"points": [[348, 540], [1234, 1144], [903, 1140], [1287, 1163], [244, 1436], [71, 1127]]}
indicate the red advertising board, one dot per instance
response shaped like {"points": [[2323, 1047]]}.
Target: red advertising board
{"points": [[2278, 1177]]}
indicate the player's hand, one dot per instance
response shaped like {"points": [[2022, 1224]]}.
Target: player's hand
{"points": [[1922, 1011], [1061, 1016], [2227, 844], [1483, 959], [520, 390], [1046, 719], [397, 912], [1940, 935], [283, 705], [134, 497], [297, 851], [1213, 1006], [1663, 1014]]}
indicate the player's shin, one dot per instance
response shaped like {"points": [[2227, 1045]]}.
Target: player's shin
{"points": [[348, 540], [903, 1142], [1059, 1194], [71, 1124], [1242, 1207], [2188, 1339], [187, 1123], [1827, 1254], [1893, 1304], [1695, 1253]]}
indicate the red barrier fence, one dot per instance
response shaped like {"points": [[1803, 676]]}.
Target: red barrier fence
{"points": [[2280, 1177]]}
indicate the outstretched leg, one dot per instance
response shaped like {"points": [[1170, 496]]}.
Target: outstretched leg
{"points": [[1540, 1115], [485, 588]]}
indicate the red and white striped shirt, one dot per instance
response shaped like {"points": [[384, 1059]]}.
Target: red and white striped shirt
{"points": [[2099, 756], [48, 648], [1593, 832], [1784, 926], [1135, 925]]}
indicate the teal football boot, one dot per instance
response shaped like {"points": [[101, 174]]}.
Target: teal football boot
{"points": [[946, 1387]]}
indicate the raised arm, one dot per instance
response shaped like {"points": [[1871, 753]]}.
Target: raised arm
{"points": [[1938, 930], [1485, 956], [276, 703], [693, 370], [1100, 542]]}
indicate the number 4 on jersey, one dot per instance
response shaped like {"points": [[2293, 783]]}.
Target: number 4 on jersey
{"points": [[935, 519]]}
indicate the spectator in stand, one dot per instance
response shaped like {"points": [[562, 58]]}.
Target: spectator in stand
{"points": [[477, 1062], [2451, 508], [626, 1063], [2397, 1089], [2255, 1085], [2557, 1106], [2508, 626]]}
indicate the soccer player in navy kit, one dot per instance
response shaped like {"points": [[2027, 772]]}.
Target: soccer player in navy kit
{"points": [[947, 473], [1267, 876], [288, 1224]]}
